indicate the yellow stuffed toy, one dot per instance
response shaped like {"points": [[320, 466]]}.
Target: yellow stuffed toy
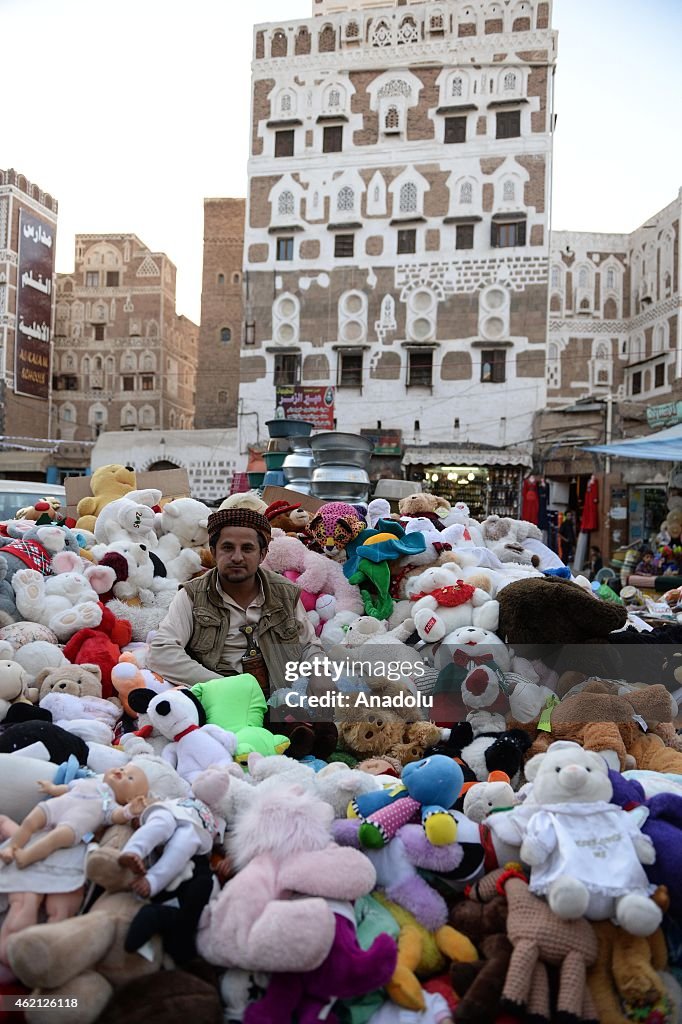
{"points": [[107, 484]]}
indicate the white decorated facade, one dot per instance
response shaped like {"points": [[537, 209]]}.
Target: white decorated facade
{"points": [[615, 323], [397, 240]]}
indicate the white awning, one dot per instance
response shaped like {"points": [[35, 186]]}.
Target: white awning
{"points": [[454, 455]]}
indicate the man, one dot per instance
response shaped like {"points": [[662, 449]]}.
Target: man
{"points": [[236, 617], [568, 537]]}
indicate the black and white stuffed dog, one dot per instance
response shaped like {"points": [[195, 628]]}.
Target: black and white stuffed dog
{"points": [[178, 715]]}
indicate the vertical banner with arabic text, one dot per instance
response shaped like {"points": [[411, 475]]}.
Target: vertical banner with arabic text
{"points": [[34, 306]]}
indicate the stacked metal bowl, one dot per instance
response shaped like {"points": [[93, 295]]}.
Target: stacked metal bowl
{"points": [[341, 466]]}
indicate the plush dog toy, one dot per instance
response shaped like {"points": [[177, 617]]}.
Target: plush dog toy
{"points": [[180, 717]]}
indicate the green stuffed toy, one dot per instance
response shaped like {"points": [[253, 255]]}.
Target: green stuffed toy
{"points": [[236, 703]]}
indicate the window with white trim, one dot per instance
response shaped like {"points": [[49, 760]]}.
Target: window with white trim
{"points": [[466, 193], [408, 197], [508, 192], [510, 82], [285, 204], [345, 201]]}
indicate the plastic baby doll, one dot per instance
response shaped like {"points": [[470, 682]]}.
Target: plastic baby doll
{"points": [[184, 827], [76, 812]]}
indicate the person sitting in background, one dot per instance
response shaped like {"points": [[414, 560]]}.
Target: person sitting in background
{"points": [[596, 561], [646, 567]]}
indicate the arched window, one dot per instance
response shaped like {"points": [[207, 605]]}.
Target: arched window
{"points": [[509, 82], [466, 193], [611, 279], [221, 279], [408, 197], [583, 278], [508, 192], [392, 119], [334, 99], [345, 201], [225, 335], [285, 204], [660, 338], [456, 86], [556, 278], [285, 103]]}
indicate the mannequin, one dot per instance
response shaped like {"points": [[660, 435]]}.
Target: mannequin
{"points": [[590, 520], [530, 505]]}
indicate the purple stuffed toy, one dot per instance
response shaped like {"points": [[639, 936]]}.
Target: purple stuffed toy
{"points": [[396, 867], [663, 826]]}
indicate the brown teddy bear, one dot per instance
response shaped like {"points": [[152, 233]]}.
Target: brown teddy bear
{"points": [[601, 719], [626, 970], [424, 506], [385, 734], [78, 680], [291, 518]]}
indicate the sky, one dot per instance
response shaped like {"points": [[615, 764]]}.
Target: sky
{"points": [[131, 113]]}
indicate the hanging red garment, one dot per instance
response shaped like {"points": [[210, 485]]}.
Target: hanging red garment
{"points": [[590, 520], [530, 505]]}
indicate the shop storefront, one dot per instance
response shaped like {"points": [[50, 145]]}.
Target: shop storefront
{"points": [[489, 481]]}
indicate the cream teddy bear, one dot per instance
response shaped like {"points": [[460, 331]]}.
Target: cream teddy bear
{"points": [[444, 602]]}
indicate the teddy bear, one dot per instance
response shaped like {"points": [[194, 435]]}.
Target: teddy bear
{"points": [[106, 484], [137, 580], [73, 695], [425, 505], [472, 665], [34, 656], [15, 689], [45, 510], [131, 518], [245, 499], [626, 973], [484, 798], [186, 519], [292, 519], [379, 733], [586, 855], [479, 984], [100, 646], [8, 605], [34, 547], [601, 719], [64, 602], [442, 602], [367, 631]]}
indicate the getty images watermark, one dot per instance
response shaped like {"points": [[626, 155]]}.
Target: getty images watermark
{"points": [[349, 672]]}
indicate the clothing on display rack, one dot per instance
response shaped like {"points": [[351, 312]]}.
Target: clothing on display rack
{"points": [[543, 502], [590, 519], [530, 504]]}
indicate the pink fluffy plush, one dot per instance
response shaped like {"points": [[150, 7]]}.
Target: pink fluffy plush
{"points": [[281, 844], [318, 575]]}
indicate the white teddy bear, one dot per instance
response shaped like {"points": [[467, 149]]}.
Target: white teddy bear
{"points": [[67, 601], [585, 853], [141, 582], [129, 518], [187, 520], [444, 602]]}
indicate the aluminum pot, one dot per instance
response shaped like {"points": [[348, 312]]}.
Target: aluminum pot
{"points": [[298, 465], [337, 492], [329, 457], [288, 428], [340, 483], [336, 439]]}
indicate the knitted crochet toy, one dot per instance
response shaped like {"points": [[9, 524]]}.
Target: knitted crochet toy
{"points": [[541, 938]]}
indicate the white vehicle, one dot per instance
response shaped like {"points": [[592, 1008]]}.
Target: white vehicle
{"points": [[16, 494]]}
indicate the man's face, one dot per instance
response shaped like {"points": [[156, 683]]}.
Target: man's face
{"points": [[238, 554]]}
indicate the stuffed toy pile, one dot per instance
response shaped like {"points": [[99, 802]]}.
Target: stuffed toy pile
{"points": [[489, 832]]}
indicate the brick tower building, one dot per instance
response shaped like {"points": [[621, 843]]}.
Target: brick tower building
{"points": [[221, 331]]}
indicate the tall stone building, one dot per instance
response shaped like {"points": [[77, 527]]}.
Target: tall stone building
{"points": [[123, 358], [28, 227], [221, 332], [614, 323], [397, 240]]}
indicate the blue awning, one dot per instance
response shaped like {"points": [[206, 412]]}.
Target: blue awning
{"points": [[663, 446]]}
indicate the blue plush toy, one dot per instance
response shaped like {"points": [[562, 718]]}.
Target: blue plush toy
{"points": [[428, 788]]}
